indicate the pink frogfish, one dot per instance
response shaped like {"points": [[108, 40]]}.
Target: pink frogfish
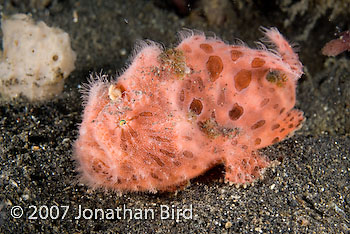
{"points": [[175, 113]]}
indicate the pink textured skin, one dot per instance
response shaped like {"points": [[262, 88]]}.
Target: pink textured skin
{"points": [[179, 112]]}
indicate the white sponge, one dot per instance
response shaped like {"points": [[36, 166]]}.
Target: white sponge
{"points": [[36, 59]]}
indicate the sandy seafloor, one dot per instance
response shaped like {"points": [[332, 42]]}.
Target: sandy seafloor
{"points": [[309, 192]]}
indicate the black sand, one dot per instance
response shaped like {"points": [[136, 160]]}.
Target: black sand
{"points": [[309, 192]]}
